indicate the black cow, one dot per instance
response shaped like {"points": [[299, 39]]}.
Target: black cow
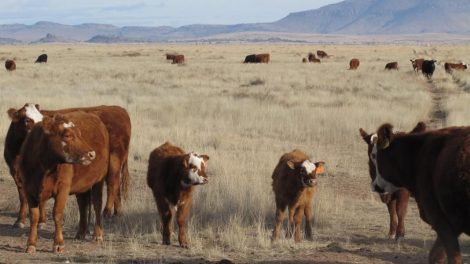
{"points": [[428, 68], [41, 59]]}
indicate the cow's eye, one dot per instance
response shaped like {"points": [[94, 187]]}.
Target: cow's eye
{"points": [[67, 137]]}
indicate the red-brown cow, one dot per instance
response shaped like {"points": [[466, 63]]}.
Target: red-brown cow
{"points": [[449, 67], [10, 65], [354, 64], [322, 54], [294, 185], [178, 59], [116, 121], [51, 164], [391, 66], [311, 58], [171, 175], [170, 56], [257, 58], [417, 64], [435, 167], [397, 202]]}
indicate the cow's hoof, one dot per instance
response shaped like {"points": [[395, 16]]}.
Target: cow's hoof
{"points": [[18, 224], [98, 239], [400, 238], [30, 249], [391, 236], [42, 226], [184, 245], [58, 248]]}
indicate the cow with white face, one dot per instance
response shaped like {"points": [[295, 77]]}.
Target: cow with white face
{"points": [[294, 186], [394, 197], [171, 175]]}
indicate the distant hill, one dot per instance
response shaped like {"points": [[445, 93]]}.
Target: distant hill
{"points": [[350, 17], [50, 38]]}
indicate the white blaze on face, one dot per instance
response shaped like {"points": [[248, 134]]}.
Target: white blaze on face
{"points": [[193, 174], [33, 113], [309, 166], [379, 180], [69, 124]]}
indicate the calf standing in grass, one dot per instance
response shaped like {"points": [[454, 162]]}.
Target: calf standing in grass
{"points": [[171, 175], [294, 184]]}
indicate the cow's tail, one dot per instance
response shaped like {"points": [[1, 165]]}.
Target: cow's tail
{"points": [[125, 179]]}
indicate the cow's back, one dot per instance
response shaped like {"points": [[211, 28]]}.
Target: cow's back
{"points": [[161, 164]]}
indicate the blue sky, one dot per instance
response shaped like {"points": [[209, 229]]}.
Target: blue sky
{"points": [[151, 13]]}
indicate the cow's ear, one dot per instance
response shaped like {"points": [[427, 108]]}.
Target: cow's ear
{"points": [[319, 167], [47, 125], [385, 136], [291, 164], [37, 107], [13, 114], [364, 135], [205, 158], [420, 127]]}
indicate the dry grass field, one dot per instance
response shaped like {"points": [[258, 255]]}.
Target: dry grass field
{"points": [[244, 117]]}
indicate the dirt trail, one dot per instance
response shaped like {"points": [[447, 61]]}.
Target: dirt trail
{"points": [[438, 114]]}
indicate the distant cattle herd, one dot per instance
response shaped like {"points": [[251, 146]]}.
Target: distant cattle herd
{"points": [[55, 153]]}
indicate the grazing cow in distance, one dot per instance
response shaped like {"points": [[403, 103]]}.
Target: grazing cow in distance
{"points": [[41, 59], [63, 155], [304, 60], [449, 67], [391, 66], [10, 65], [294, 185], [257, 58], [435, 167], [397, 202], [354, 64], [428, 68], [172, 174], [170, 56], [117, 122], [321, 54], [311, 58], [178, 59], [417, 64]]}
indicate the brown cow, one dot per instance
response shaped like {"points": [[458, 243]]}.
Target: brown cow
{"points": [[116, 121], [170, 56], [322, 54], [417, 64], [397, 202], [171, 175], [10, 65], [449, 67], [294, 185], [354, 64], [51, 164], [391, 66], [304, 60], [178, 59], [435, 167], [311, 58], [257, 58]]}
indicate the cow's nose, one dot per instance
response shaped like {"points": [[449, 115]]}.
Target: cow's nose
{"points": [[92, 155], [205, 180]]}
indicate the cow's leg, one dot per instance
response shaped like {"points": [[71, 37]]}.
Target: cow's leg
{"points": [[299, 214], [402, 205], [83, 206], [166, 216], [21, 220], [112, 185], [33, 229], [291, 226], [181, 218], [450, 246], [64, 181], [392, 211], [97, 199], [280, 215], [437, 255], [42, 214], [308, 221]]}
